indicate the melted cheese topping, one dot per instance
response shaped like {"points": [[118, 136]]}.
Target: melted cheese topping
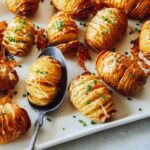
{"points": [[91, 97]]}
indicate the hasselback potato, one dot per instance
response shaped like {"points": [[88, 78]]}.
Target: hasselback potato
{"points": [[8, 75], [19, 36], [144, 41], [43, 80], [63, 32], [138, 9], [14, 121], [23, 7], [107, 27], [120, 72], [77, 8], [91, 97]]}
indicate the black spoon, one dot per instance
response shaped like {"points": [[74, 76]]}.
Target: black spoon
{"points": [[56, 54]]}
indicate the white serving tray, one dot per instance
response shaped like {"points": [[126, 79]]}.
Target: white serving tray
{"points": [[63, 126]]}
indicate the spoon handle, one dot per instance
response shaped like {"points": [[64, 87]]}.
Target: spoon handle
{"points": [[34, 137], [38, 124]]}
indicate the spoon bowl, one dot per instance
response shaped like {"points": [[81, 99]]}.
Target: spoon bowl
{"points": [[43, 110]]}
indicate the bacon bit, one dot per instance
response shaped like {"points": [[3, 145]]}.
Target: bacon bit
{"points": [[41, 39], [7, 98], [135, 50], [83, 55]]}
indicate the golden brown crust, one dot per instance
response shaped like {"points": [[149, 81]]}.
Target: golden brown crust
{"points": [[19, 36], [23, 7], [3, 26], [63, 32], [107, 27], [120, 72], [77, 8], [144, 41], [97, 5], [91, 97], [8, 76], [43, 80], [141, 10], [14, 121]]}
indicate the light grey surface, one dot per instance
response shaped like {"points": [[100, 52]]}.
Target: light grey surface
{"points": [[134, 136]]}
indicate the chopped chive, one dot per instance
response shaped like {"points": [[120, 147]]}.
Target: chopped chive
{"points": [[131, 75], [140, 109], [28, 35], [20, 66], [24, 95], [41, 72], [37, 27], [4, 111], [129, 98], [81, 83], [88, 88], [11, 39], [16, 30], [48, 119], [93, 123], [22, 21], [88, 102], [81, 121], [95, 81], [110, 11], [84, 124], [74, 116], [105, 19], [59, 25], [22, 26], [102, 96]]}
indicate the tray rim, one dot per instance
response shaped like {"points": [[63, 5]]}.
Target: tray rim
{"points": [[91, 130]]}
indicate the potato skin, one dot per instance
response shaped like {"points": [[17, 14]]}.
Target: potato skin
{"points": [[63, 32], [137, 9], [14, 122], [120, 72], [76, 8], [3, 26], [107, 27], [91, 97], [19, 36], [144, 41], [43, 80], [8, 76], [23, 7]]}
